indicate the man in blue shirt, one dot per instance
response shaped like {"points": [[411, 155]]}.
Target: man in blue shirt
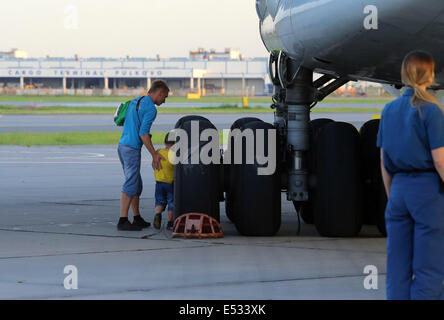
{"points": [[136, 132]]}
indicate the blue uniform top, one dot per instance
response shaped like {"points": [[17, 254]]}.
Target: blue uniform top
{"points": [[138, 123], [407, 137]]}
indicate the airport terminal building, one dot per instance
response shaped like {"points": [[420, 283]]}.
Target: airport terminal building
{"points": [[207, 73]]}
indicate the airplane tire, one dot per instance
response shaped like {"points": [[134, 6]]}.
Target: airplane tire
{"points": [[236, 125], [182, 120], [382, 204], [226, 167], [337, 205], [254, 200], [315, 126], [242, 121], [375, 199], [196, 186]]}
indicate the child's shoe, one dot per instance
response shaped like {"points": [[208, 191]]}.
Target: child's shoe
{"points": [[157, 220]]}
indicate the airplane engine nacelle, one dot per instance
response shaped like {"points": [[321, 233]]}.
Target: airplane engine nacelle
{"points": [[273, 6], [267, 6], [360, 39], [261, 8], [309, 30]]}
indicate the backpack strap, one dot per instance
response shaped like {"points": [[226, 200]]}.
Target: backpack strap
{"points": [[137, 108], [138, 102]]}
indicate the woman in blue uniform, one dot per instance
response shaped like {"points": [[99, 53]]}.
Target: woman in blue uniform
{"points": [[411, 138]]}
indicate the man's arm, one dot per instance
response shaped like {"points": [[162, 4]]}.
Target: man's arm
{"points": [[438, 159], [146, 139], [386, 177], [144, 133]]}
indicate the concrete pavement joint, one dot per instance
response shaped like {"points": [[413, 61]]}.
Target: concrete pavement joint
{"points": [[74, 234], [101, 252], [214, 284], [323, 249], [82, 202], [295, 247], [206, 244]]}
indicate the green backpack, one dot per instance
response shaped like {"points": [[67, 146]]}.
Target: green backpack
{"points": [[120, 114]]}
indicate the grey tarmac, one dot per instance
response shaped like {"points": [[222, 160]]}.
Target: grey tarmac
{"points": [[59, 206], [164, 122]]}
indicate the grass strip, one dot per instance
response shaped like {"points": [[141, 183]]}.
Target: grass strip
{"points": [[209, 99], [73, 138], [56, 110], [68, 138], [212, 99], [197, 110]]}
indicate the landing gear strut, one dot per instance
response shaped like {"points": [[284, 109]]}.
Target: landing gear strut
{"points": [[322, 179], [294, 93]]}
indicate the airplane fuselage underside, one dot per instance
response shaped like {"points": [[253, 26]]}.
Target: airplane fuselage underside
{"points": [[329, 36]]}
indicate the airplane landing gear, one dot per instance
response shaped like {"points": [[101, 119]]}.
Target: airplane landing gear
{"points": [[322, 165], [321, 159], [294, 93]]}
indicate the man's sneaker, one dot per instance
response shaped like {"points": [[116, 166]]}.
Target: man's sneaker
{"points": [[170, 225], [157, 220], [140, 222], [127, 226]]}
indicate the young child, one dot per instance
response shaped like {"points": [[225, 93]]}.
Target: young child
{"points": [[164, 186]]}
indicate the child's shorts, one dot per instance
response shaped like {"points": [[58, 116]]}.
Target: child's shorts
{"points": [[164, 195]]}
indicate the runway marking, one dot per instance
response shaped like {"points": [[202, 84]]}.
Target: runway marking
{"points": [[87, 157], [58, 125], [23, 160], [114, 162], [89, 154], [61, 162], [63, 155]]}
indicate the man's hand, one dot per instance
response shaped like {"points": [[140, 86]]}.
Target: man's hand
{"points": [[156, 161], [146, 139]]}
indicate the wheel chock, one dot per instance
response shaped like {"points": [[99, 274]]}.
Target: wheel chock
{"points": [[197, 225]]}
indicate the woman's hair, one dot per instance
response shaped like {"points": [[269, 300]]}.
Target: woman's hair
{"points": [[418, 69]]}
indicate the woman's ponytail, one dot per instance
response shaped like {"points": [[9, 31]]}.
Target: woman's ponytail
{"points": [[417, 70]]}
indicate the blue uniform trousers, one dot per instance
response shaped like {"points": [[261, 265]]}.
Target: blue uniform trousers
{"points": [[415, 237]]}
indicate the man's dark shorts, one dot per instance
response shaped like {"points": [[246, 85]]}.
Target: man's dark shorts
{"points": [[130, 159]]}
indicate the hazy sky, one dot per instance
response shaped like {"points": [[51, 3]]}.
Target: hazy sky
{"points": [[140, 28]]}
